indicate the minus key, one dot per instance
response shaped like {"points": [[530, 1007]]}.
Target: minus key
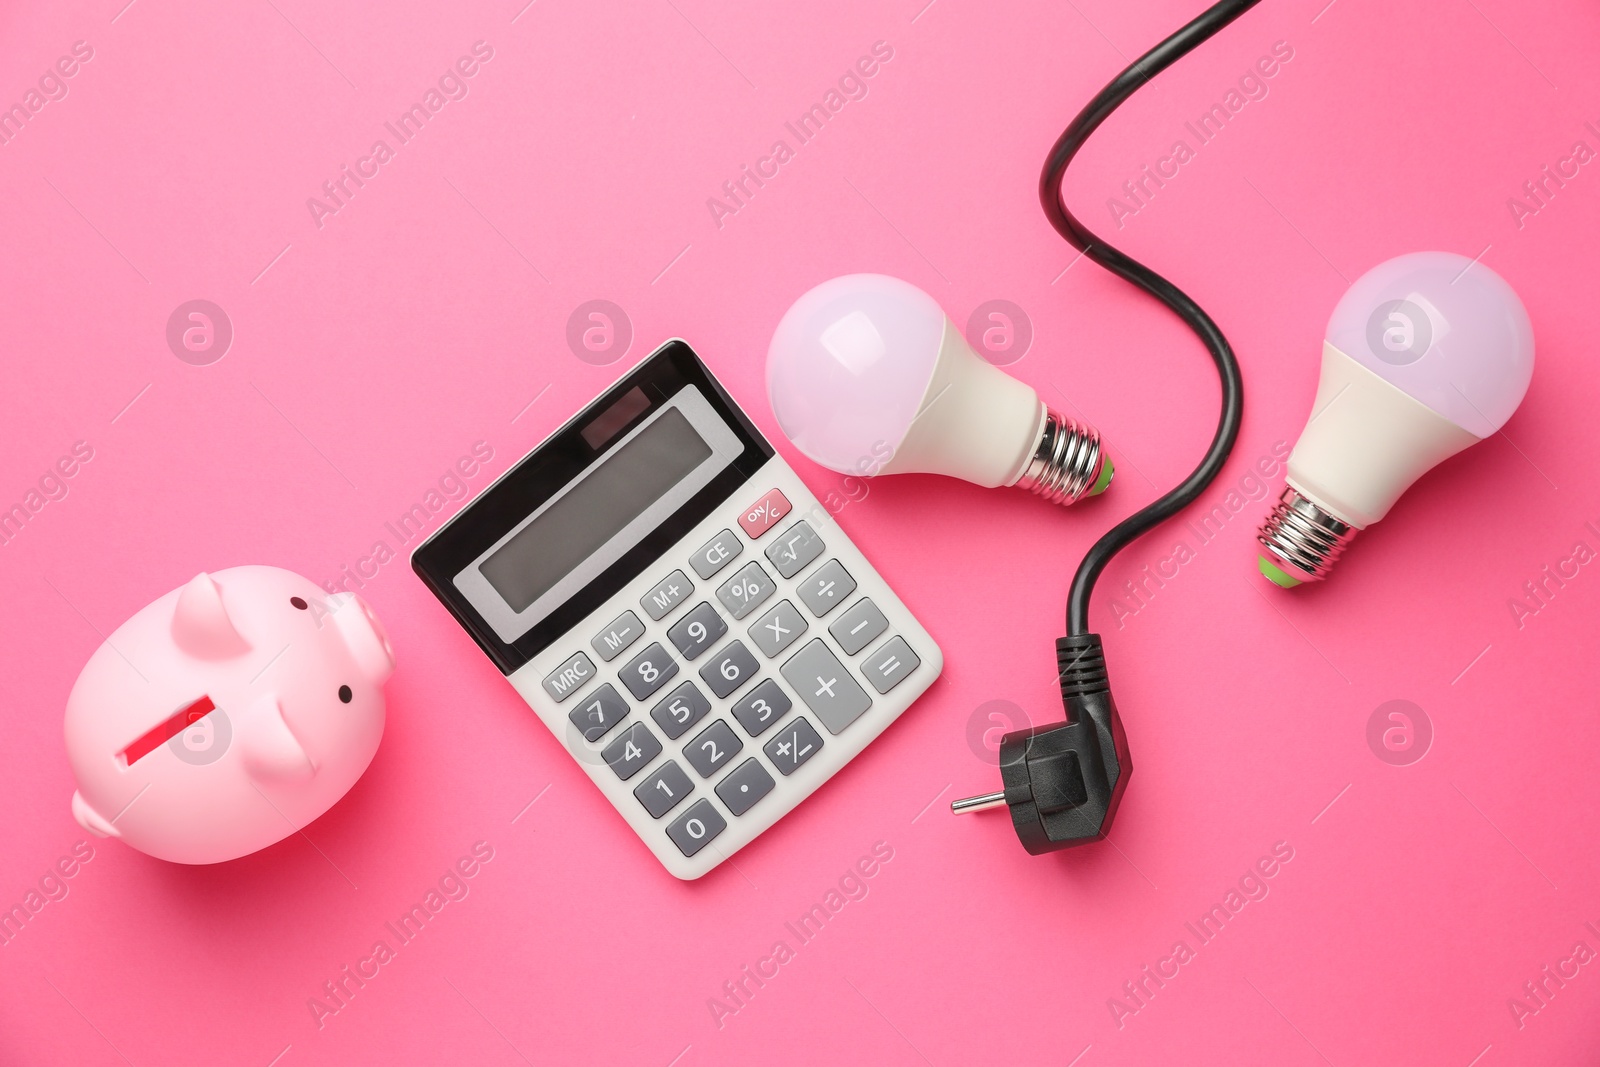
{"points": [[859, 626]]}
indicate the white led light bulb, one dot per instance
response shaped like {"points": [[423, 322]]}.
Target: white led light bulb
{"points": [[867, 376], [1425, 355]]}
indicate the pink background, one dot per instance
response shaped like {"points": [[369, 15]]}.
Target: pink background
{"points": [[372, 352]]}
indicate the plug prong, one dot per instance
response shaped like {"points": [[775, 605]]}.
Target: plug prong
{"points": [[979, 803]]}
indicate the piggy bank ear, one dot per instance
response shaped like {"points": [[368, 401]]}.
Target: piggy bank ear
{"points": [[268, 747], [201, 626], [363, 634]]}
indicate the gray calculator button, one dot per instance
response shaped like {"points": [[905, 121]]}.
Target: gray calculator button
{"points": [[624, 630], [827, 588], [746, 590], [666, 596], [664, 790], [888, 667], [648, 671], [729, 669], [795, 743], [716, 554], [629, 754], [695, 828], [569, 677], [778, 629], [826, 687], [681, 709], [711, 749], [696, 631], [794, 548], [745, 784], [598, 712], [761, 708], [858, 627]]}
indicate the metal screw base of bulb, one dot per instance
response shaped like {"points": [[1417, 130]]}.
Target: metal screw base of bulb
{"points": [[1066, 463], [1303, 539]]}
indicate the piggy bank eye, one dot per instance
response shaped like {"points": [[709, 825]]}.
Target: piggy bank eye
{"points": [[344, 694], [299, 603]]}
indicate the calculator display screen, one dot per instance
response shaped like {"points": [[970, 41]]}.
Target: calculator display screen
{"points": [[592, 506], [610, 495]]}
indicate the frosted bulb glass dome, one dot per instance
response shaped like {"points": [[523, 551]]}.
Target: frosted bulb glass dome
{"points": [[1426, 354], [849, 365], [867, 375], [1444, 330]]}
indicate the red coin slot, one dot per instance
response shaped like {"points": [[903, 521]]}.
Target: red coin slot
{"points": [[759, 518], [166, 730]]}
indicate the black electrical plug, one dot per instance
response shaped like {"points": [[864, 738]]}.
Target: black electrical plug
{"points": [[1063, 782]]}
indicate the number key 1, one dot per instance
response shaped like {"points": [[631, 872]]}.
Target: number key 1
{"points": [[664, 790]]}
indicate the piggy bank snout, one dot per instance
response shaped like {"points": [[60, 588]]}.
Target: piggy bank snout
{"points": [[363, 635]]}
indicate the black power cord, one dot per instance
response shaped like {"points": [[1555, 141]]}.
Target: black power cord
{"points": [[1063, 782]]}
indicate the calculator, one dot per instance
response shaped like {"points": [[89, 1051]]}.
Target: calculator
{"points": [[681, 612]]}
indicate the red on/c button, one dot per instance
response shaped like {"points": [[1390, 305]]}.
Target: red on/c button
{"points": [[759, 517]]}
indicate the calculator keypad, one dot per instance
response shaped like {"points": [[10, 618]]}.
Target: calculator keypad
{"points": [[744, 785], [598, 712], [687, 749], [682, 708], [794, 548], [793, 745], [697, 631], [569, 677], [664, 790], [660, 601], [858, 627], [611, 642], [696, 828], [826, 686], [761, 708], [716, 554], [827, 588], [778, 629], [629, 753], [747, 590], [763, 514], [712, 748], [729, 668], [889, 666], [648, 671]]}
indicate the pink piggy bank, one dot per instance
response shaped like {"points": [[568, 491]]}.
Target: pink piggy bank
{"points": [[227, 715]]}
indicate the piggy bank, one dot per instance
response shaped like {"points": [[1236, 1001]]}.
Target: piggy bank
{"points": [[227, 715]]}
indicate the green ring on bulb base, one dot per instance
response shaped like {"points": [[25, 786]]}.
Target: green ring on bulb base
{"points": [[1100, 483], [1274, 574]]}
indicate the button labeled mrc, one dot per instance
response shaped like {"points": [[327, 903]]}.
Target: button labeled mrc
{"points": [[569, 677], [759, 517]]}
